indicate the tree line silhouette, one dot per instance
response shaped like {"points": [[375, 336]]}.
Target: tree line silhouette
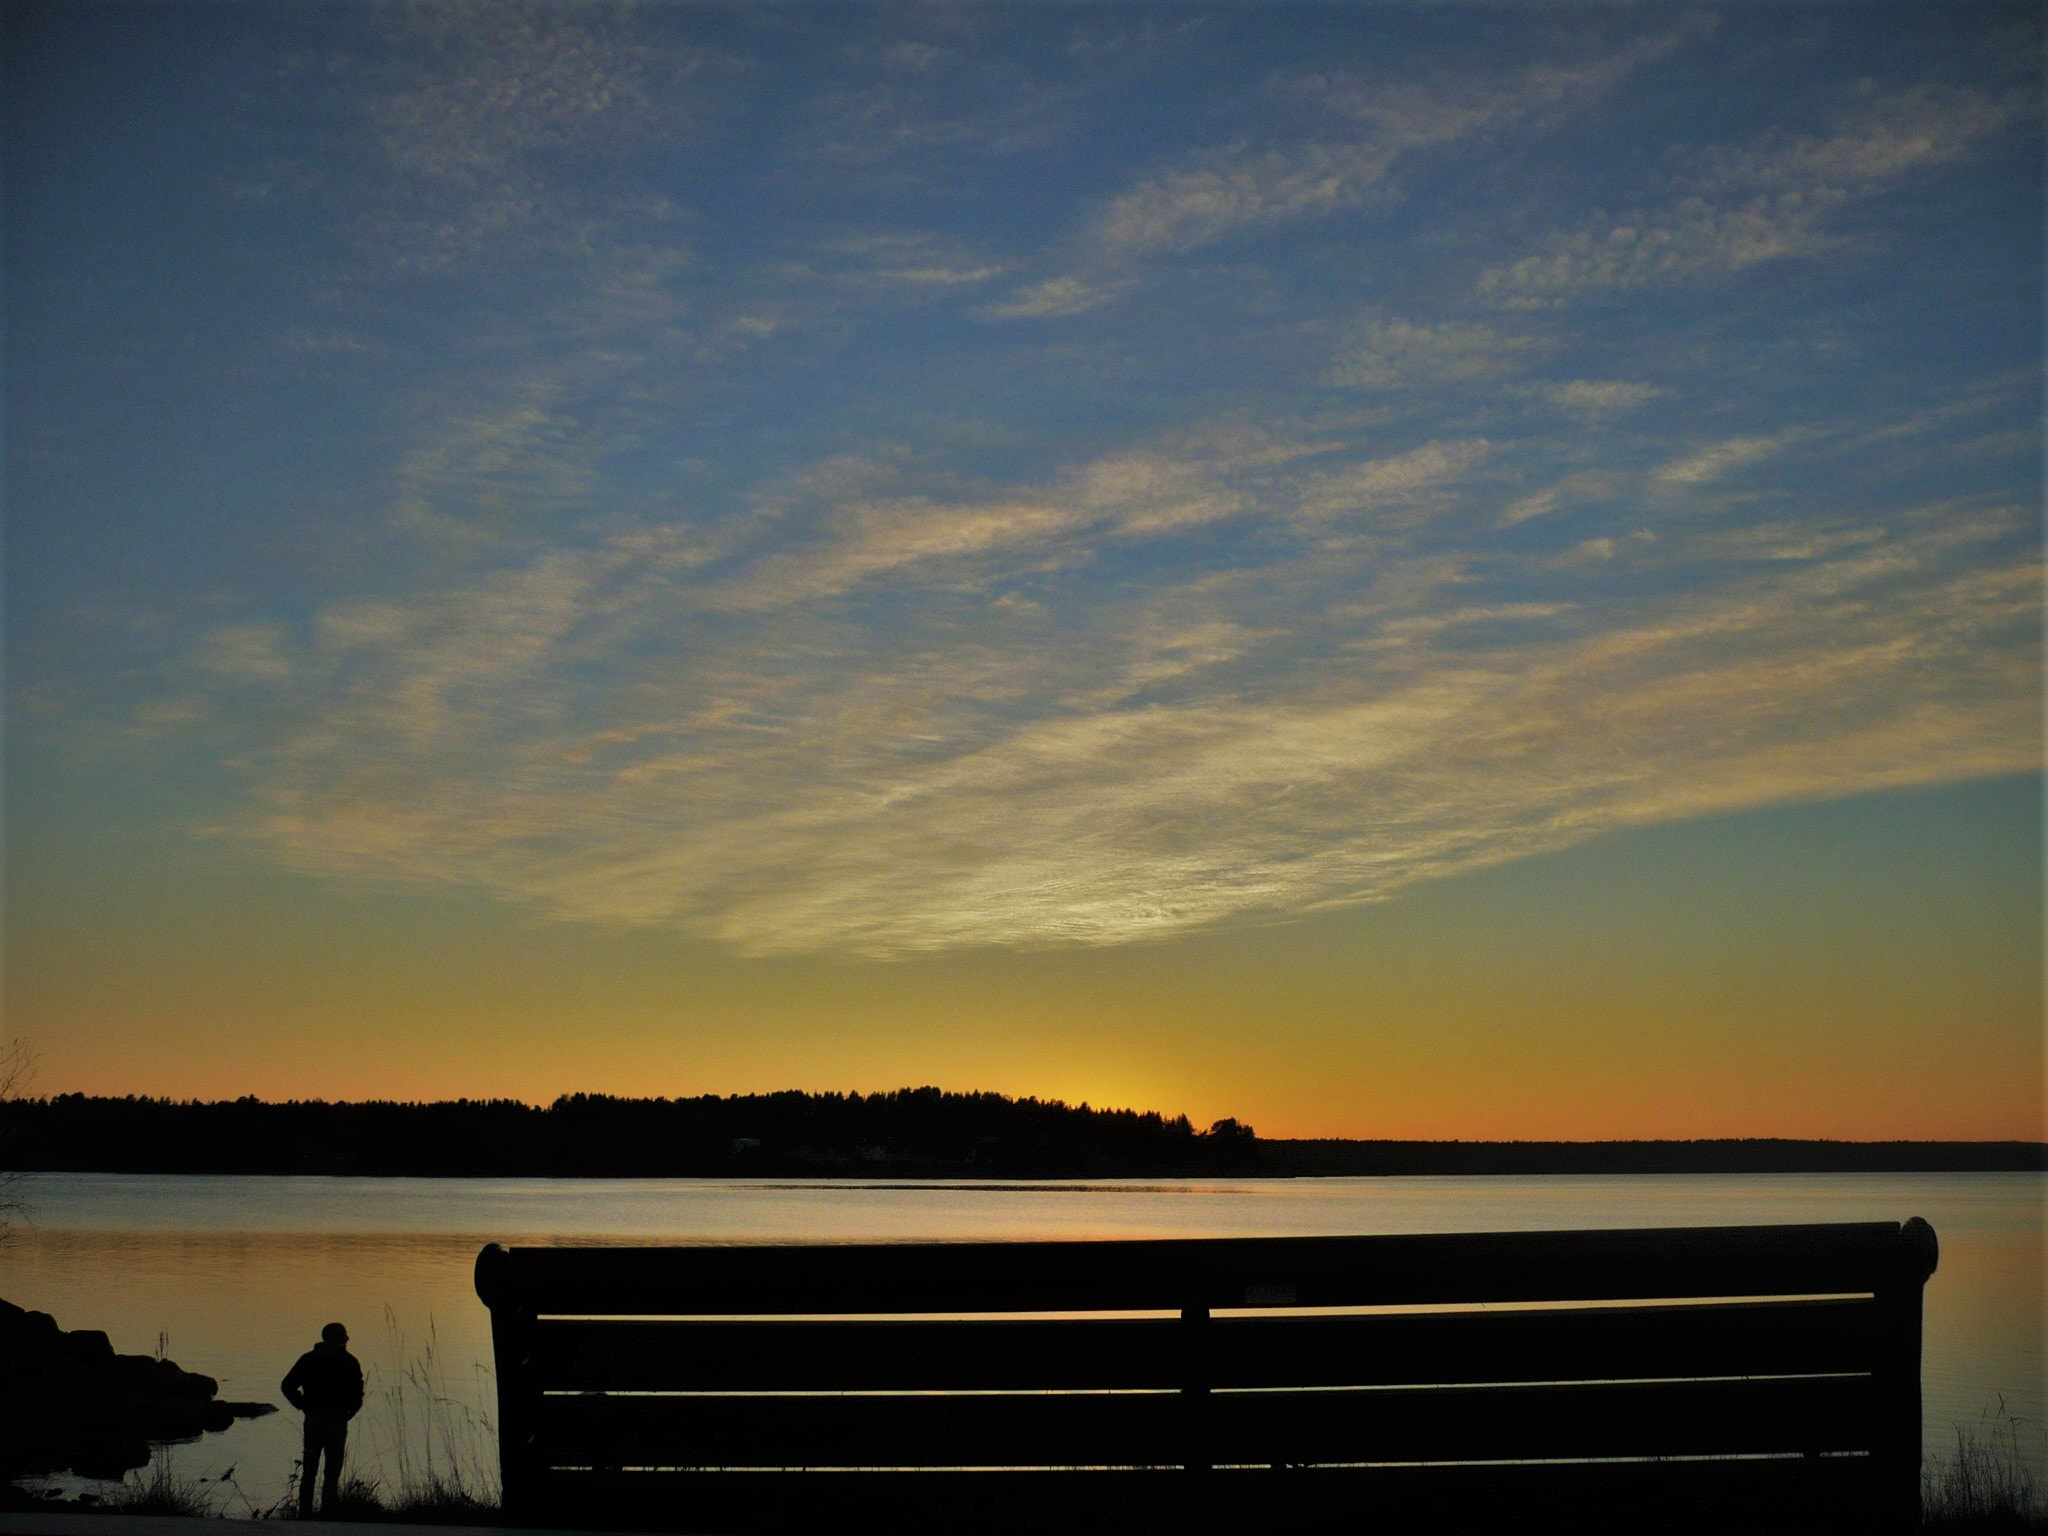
{"points": [[903, 1133], [906, 1131]]}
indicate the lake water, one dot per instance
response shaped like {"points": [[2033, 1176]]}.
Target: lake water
{"points": [[234, 1276]]}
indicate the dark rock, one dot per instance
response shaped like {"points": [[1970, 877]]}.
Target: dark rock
{"points": [[30, 1326], [146, 1376], [108, 1459], [89, 1347], [68, 1401]]}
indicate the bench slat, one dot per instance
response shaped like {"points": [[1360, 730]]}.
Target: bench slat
{"points": [[1804, 1496], [1755, 1338], [1172, 1274], [1807, 1415]]}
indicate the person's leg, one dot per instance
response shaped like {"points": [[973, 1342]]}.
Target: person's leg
{"points": [[337, 1442], [309, 1463]]}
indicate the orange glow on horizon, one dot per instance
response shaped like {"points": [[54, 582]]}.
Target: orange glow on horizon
{"points": [[1547, 1001]]}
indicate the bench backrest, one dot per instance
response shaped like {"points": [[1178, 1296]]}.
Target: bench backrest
{"points": [[939, 1367]]}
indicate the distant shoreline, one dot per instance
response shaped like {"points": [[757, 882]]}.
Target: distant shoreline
{"points": [[910, 1133], [1772, 1155]]}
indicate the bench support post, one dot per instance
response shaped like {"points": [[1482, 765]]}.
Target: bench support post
{"points": [[1901, 1305], [1194, 1388], [512, 1341]]}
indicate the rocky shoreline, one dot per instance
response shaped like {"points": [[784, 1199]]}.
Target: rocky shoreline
{"points": [[69, 1403]]}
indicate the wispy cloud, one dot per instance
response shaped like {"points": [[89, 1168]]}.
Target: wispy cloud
{"points": [[1890, 136], [475, 128], [1412, 111], [246, 652], [868, 527], [1598, 397], [1724, 458], [887, 762], [1586, 485], [1772, 198], [922, 82], [1402, 483], [1054, 297], [1237, 188], [1362, 126], [913, 261], [1388, 353]]}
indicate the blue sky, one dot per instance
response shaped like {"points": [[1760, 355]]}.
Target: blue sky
{"points": [[883, 481]]}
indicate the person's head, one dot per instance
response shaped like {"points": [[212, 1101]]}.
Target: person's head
{"points": [[334, 1334]]}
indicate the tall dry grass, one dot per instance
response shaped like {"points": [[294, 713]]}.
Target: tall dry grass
{"points": [[1993, 1482], [442, 1451]]}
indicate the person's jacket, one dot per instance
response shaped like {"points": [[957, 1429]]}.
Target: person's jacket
{"points": [[326, 1379]]}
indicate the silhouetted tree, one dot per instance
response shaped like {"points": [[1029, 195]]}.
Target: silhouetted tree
{"points": [[17, 1069]]}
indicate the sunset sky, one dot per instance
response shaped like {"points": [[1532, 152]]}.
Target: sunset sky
{"points": [[1437, 570]]}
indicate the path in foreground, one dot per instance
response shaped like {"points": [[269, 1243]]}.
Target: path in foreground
{"points": [[92, 1522]]}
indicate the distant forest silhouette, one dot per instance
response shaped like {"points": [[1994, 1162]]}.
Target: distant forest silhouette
{"points": [[904, 1133]]}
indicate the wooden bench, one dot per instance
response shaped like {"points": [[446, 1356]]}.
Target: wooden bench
{"points": [[1739, 1378]]}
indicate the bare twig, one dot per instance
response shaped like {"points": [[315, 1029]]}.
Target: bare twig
{"points": [[17, 1071]]}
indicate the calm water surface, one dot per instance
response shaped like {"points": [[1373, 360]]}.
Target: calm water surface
{"points": [[236, 1275]]}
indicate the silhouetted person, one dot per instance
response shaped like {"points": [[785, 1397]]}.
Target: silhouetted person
{"points": [[326, 1385]]}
